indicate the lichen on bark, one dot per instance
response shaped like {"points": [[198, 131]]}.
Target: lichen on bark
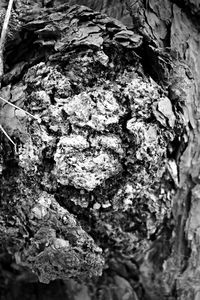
{"points": [[91, 129], [96, 171], [80, 140]]}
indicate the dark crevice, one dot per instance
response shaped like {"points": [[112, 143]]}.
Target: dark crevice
{"points": [[52, 96], [19, 54], [186, 248]]}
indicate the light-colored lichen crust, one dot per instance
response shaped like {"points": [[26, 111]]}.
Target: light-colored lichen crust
{"points": [[80, 165]]}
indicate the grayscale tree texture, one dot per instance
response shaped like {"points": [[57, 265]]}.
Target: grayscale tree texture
{"points": [[101, 200]]}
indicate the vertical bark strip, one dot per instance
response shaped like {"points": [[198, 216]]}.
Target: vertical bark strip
{"points": [[3, 36]]}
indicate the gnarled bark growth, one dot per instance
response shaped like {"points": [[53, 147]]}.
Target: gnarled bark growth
{"points": [[106, 178]]}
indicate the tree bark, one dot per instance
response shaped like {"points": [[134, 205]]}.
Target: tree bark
{"points": [[101, 199]]}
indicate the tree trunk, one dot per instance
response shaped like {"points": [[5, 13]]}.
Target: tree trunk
{"points": [[100, 198]]}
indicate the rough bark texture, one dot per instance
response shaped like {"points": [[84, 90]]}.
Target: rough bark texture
{"points": [[101, 200]]}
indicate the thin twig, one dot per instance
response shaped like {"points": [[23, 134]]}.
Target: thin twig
{"points": [[6, 101], [3, 35], [9, 138], [16, 107], [2, 44]]}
